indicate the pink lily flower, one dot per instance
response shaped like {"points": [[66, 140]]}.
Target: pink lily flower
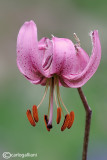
{"points": [[53, 63]]}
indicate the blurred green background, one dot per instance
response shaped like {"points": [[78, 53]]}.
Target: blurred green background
{"points": [[61, 18]]}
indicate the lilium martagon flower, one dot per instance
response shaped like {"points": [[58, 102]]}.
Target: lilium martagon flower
{"points": [[53, 63]]}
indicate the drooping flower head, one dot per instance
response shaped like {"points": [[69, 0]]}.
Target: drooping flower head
{"points": [[52, 63]]}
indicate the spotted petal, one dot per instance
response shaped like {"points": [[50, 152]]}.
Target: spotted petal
{"points": [[78, 80], [27, 46]]}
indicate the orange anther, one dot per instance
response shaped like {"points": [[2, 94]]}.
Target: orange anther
{"points": [[66, 121], [58, 119], [30, 118], [71, 119], [46, 122], [35, 113]]}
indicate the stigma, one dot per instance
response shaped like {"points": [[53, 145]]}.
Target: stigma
{"points": [[54, 93]]}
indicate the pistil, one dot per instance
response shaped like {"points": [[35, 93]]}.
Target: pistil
{"points": [[51, 103]]}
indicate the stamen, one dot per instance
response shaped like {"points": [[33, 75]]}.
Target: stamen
{"points": [[54, 92], [65, 124], [77, 39], [46, 89], [63, 104], [30, 118], [58, 92], [58, 119], [46, 122], [35, 113], [59, 96], [71, 119], [56, 84], [55, 99], [49, 98]]}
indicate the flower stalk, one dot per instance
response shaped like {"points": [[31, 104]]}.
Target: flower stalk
{"points": [[87, 123]]}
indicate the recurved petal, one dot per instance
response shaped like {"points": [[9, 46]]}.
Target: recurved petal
{"points": [[80, 79], [74, 62], [27, 46]]}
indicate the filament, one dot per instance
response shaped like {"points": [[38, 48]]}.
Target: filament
{"points": [[56, 83], [59, 97], [46, 89], [49, 98], [54, 93], [56, 80], [55, 99]]}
